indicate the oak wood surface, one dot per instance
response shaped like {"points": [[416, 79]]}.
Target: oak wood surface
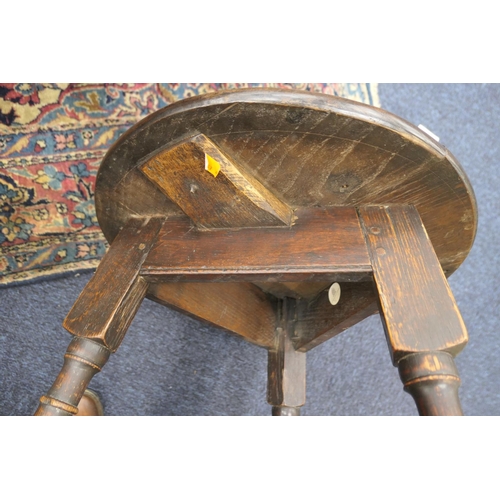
{"points": [[321, 245], [293, 289], [225, 198], [318, 321], [307, 149], [108, 303], [423, 325], [286, 388], [417, 307], [240, 308]]}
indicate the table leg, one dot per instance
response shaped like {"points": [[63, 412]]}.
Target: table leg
{"points": [[432, 379], [286, 390], [423, 325], [83, 359], [101, 315]]}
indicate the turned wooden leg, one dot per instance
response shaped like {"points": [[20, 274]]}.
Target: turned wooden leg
{"points": [[286, 390], [101, 315], [432, 379], [285, 411], [423, 325], [83, 359]]}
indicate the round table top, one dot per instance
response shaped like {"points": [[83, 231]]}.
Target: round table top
{"points": [[307, 150]]}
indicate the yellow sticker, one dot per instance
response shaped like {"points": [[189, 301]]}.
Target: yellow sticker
{"points": [[213, 166]]}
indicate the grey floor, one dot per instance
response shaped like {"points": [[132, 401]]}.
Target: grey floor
{"points": [[169, 364]]}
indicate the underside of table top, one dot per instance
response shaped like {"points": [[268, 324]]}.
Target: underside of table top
{"points": [[296, 150]]}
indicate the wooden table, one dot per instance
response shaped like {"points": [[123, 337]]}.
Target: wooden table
{"points": [[252, 210]]}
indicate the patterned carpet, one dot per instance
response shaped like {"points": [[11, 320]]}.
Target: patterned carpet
{"points": [[52, 139]]}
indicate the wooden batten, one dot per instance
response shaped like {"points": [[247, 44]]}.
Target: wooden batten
{"points": [[213, 191], [322, 245]]}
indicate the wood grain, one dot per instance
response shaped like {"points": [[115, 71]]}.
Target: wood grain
{"points": [[230, 198], [321, 245], [418, 309], [239, 308], [109, 301], [307, 149], [318, 321], [286, 386], [293, 289]]}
